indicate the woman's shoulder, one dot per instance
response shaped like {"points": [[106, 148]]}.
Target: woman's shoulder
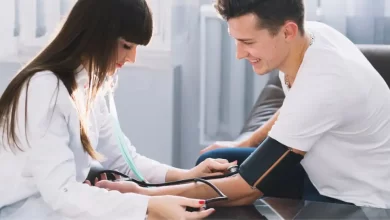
{"points": [[44, 78], [46, 87]]}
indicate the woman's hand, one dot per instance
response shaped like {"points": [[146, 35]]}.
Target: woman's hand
{"points": [[122, 186], [161, 207], [103, 176], [209, 167], [174, 207]]}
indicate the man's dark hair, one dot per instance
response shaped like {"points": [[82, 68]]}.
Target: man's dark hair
{"points": [[272, 14]]}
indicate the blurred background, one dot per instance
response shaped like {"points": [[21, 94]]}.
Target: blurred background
{"points": [[186, 89]]}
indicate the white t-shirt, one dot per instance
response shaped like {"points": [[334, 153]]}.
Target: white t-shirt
{"points": [[338, 111]]}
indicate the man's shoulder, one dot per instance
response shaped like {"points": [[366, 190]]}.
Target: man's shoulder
{"points": [[332, 51], [314, 24], [323, 60], [317, 26]]}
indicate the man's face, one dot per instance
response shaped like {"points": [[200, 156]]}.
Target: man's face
{"points": [[264, 51]]}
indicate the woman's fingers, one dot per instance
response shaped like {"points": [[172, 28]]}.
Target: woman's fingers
{"points": [[219, 160], [105, 184], [194, 203], [217, 166], [88, 182], [103, 176], [117, 177], [124, 187], [200, 214], [213, 174]]}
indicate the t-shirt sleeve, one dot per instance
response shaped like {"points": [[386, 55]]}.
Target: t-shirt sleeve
{"points": [[315, 105]]}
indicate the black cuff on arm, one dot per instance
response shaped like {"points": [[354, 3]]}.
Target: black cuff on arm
{"points": [[268, 164]]}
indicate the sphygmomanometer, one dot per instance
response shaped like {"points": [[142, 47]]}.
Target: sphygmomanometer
{"points": [[261, 170], [268, 164]]}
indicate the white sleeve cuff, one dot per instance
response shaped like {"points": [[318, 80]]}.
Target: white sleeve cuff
{"points": [[161, 173], [153, 171]]}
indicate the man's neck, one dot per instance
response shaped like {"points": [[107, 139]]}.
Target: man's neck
{"points": [[295, 57]]}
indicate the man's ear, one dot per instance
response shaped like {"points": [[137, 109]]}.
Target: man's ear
{"points": [[290, 30]]}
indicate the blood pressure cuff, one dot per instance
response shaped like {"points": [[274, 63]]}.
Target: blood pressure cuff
{"points": [[268, 164]]}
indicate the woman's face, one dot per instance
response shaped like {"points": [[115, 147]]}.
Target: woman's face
{"points": [[127, 52]]}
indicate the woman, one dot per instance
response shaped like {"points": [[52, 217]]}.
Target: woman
{"points": [[55, 120]]}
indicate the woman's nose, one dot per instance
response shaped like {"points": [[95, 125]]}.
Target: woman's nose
{"points": [[131, 56]]}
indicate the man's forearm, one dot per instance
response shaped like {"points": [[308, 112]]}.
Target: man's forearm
{"points": [[235, 188], [261, 133]]}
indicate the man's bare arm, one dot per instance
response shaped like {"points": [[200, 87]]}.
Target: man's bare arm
{"points": [[254, 140], [261, 133], [235, 188]]}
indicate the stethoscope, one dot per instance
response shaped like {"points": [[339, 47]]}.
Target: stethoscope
{"points": [[122, 145]]}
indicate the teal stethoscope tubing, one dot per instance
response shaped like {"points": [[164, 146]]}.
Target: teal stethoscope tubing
{"points": [[120, 138]]}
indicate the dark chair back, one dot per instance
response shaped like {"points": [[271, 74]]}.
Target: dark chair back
{"points": [[379, 57]]}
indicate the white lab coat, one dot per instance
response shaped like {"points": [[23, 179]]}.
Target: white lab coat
{"points": [[46, 180]]}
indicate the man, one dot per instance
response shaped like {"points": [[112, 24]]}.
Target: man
{"points": [[334, 121]]}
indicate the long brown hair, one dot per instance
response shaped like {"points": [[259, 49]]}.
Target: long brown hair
{"points": [[88, 37]]}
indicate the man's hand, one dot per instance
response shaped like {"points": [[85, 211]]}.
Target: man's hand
{"points": [[227, 144], [253, 141], [209, 167], [219, 144]]}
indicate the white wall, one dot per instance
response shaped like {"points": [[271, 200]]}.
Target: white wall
{"points": [[145, 102]]}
